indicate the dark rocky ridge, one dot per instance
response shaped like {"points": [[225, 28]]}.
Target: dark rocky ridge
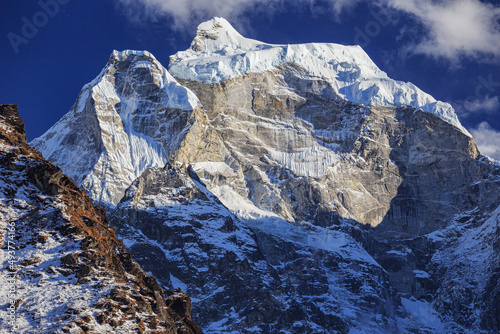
{"points": [[126, 299]]}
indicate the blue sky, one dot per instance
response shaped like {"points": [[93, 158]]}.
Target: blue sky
{"points": [[448, 48]]}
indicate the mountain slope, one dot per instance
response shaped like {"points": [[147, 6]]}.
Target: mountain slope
{"points": [[302, 156], [63, 267], [186, 238], [127, 119]]}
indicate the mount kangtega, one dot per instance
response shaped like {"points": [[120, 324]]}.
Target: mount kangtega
{"points": [[283, 188]]}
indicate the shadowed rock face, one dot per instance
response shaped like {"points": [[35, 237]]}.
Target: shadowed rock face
{"points": [[438, 166], [71, 271], [184, 236]]}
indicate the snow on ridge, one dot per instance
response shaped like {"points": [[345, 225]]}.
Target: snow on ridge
{"points": [[219, 52], [218, 33], [179, 97], [118, 103]]}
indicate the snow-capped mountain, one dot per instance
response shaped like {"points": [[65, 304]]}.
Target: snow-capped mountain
{"points": [[296, 186], [219, 52], [127, 119], [63, 268]]}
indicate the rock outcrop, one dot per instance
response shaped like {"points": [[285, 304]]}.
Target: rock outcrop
{"points": [[67, 271]]}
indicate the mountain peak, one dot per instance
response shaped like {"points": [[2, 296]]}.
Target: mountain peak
{"points": [[218, 34], [126, 111], [123, 55], [218, 53]]}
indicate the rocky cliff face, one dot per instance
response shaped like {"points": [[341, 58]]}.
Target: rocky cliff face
{"points": [[336, 198], [63, 268], [406, 168]]}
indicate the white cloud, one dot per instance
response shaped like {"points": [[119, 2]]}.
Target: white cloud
{"points": [[186, 13], [487, 140], [488, 104], [455, 28], [340, 6], [473, 105]]}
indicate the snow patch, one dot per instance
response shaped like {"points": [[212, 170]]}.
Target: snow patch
{"points": [[177, 283], [421, 274], [423, 313]]}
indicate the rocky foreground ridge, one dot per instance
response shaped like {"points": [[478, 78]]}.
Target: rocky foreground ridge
{"points": [[68, 273], [290, 189]]}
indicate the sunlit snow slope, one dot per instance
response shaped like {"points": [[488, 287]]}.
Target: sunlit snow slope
{"points": [[127, 119], [219, 53]]}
